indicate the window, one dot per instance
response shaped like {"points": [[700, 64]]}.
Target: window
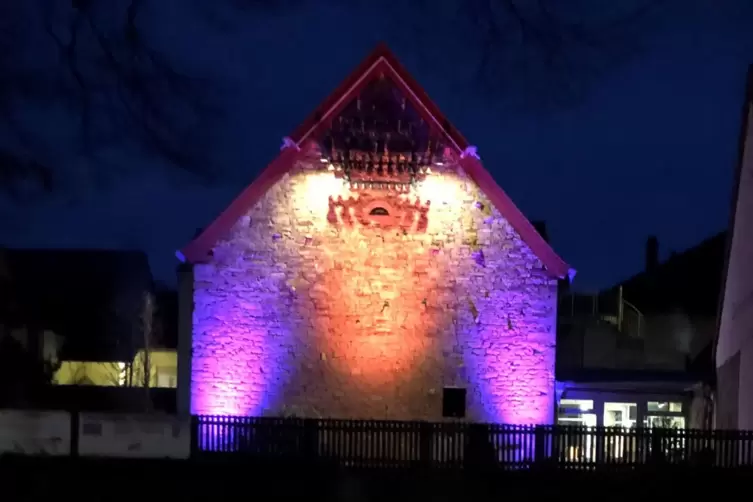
{"points": [[453, 402], [624, 415], [664, 422], [620, 415], [167, 377], [664, 407], [576, 412], [664, 415]]}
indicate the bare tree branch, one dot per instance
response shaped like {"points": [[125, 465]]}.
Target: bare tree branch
{"points": [[96, 62], [565, 44], [544, 51], [82, 79]]}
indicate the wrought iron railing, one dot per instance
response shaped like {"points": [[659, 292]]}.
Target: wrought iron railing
{"points": [[607, 307]]}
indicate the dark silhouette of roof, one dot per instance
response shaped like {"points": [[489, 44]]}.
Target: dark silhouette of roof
{"points": [[602, 375], [690, 280], [167, 316], [91, 298]]}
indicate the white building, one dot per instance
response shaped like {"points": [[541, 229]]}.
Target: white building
{"points": [[734, 349]]}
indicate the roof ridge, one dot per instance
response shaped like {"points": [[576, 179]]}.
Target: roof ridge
{"points": [[380, 61]]}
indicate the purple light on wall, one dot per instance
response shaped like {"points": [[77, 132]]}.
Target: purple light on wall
{"points": [[263, 309], [512, 364], [479, 258], [241, 346]]}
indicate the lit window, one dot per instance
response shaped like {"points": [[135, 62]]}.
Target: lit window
{"points": [[666, 407], [167, 377], [620, 415], [664, 422], [577, 404], [576, 412]]}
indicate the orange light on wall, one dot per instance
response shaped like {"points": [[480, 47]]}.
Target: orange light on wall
{"points": [[378, 327]]}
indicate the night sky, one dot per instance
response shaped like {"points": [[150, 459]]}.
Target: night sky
{"points": [[647, 147]]}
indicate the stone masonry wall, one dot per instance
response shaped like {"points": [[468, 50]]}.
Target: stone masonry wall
{"points": [[312, 307]]}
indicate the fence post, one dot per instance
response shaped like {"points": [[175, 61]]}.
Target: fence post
{"points": [[554, 445], [194, 428], [657, 455], [599, 444], [539, 448], [425, 443], [310, 438]]}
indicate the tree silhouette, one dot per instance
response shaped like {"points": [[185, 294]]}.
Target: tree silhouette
{"points": [[82, 82], [547, 52], [83, 79], [23, 375]]}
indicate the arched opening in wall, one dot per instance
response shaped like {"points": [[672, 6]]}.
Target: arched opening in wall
{"points": [[379, 211]]}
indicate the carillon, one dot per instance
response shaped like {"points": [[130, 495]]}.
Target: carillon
{"points": [[380, 142]]}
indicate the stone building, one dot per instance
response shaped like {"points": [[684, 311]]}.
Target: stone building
{"points": [[373, 270]]}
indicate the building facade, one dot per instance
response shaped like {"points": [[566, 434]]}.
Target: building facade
{"points": [[734, 348], [646, 340], [373, 270]]}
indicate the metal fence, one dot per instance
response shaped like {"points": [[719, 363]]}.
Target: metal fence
{"points": [[371, 443]]}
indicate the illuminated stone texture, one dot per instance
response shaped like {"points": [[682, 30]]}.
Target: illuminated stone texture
{"points": [[303, 309]]}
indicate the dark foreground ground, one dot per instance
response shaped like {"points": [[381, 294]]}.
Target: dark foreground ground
{"points": [[27, 478]]}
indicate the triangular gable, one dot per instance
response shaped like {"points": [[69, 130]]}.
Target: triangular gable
{"points": [[380, 62]]}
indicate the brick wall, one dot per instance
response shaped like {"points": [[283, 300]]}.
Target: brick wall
{"points": [[313, 307]]}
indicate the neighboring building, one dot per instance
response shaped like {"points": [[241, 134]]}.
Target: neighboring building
{"points": [[734, 348], [162, 372], [159, 364], [77, 316], [645, 344], [661, 319], [90, 299], [373, 270]]}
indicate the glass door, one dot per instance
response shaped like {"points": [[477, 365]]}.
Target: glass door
{"points": [[620, 415], [618, 445], [667, 415], [580, 413]]}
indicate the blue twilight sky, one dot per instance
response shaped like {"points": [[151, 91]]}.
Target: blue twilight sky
{"points": [[648, 148]]}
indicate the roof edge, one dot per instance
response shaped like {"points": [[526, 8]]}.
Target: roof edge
{"points": [[196, 250], [471, 164], [746, 115], [381, 59]]}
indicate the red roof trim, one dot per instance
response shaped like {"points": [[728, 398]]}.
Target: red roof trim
{"points": [[541, 248], [197, 250], [381, 61]]}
